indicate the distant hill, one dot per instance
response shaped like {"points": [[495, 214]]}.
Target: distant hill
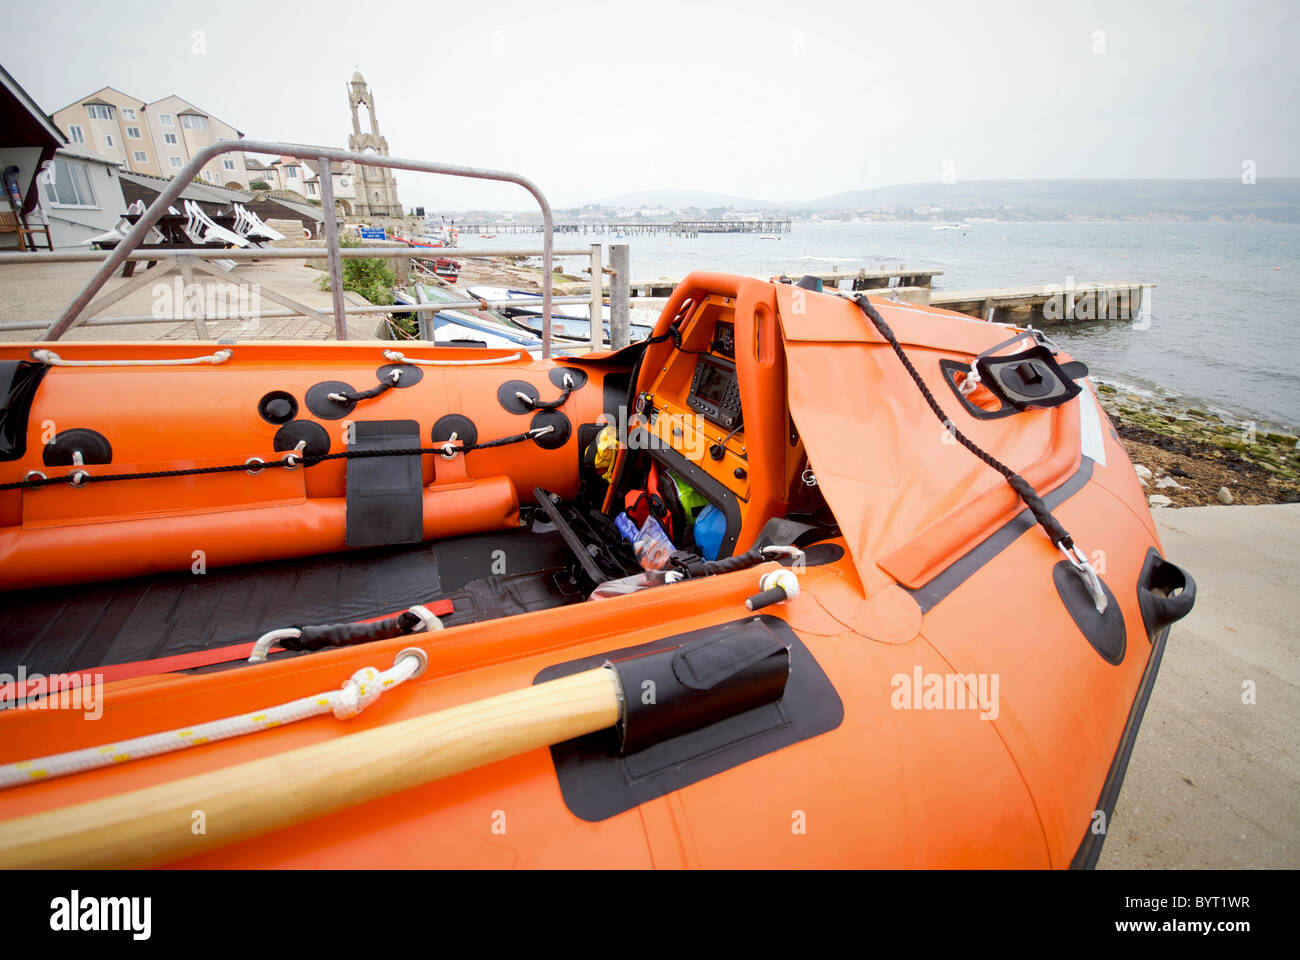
{"points": [[681, 199], [1273, 199], [1276, 199]]}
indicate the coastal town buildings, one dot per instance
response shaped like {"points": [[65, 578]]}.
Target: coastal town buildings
{"points": [[157, 138]]}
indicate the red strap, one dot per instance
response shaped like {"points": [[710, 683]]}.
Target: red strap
{"points": [[180, 661]]}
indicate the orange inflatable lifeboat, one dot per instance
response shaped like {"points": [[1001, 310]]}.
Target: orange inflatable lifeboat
{"points": [[802, 580]]}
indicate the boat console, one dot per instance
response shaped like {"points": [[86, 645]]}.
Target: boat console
{"points": [[709, 425], [693, 405]]}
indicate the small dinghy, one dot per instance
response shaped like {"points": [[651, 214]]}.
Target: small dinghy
{"points": [[569, 322]]}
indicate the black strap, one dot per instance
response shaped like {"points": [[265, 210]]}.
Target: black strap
{"points": [[1051, 526]]}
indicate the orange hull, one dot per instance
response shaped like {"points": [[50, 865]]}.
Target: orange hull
{"points": [[933, 572]]}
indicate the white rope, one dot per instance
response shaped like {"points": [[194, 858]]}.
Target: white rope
{"points": [[787, 580], [54, 360], [398, 357], [361, 690]]}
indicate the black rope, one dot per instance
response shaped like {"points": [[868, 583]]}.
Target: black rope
{"points": [[537, 403], [1051, 526], [288, 462], [351, 396]]}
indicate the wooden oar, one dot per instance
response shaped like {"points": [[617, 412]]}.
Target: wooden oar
{"points": [[154, 825]]}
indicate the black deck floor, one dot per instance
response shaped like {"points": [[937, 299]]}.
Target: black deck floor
{"points": [[87, 625]]}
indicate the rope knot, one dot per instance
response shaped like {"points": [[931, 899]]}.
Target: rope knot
{"points": [[360, 691]]}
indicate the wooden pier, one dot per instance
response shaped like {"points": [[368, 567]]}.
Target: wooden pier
{"points": [[1043, 305], [1048, 304], [872, 280]]}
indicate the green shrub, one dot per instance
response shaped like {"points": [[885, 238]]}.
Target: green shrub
{"points": [[372, 278], [259, 185]]}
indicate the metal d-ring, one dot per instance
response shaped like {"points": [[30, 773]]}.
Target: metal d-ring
{"points": [[448, 451], [291, 459]]}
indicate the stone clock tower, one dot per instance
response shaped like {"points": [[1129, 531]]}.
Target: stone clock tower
{"points": [[376, 188]]}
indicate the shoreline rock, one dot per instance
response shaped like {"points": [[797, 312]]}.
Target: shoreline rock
{"points": [[1195, 457]]}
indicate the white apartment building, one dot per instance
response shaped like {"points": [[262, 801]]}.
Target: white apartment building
{"points": [[157, 138]]}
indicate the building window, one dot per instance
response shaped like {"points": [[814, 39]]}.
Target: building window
{"points": [[191, 122], [169, 138], [228, 163], [76, 134], [176, 162], [311, 189], [133, 133], [165, 119], [67, 184], [99, 111], [208, 176], [140, 157], [291, 173], [128, 113], [108, 140]]}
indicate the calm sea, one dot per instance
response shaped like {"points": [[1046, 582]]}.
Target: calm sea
{"points": [[1226, 296]]}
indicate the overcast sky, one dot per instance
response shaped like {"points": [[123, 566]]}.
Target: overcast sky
{"points": [[775, 100]]}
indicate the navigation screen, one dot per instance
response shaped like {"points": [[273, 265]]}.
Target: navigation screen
{"points": [[712, 383]]}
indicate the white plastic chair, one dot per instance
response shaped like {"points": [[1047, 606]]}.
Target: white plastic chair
{"points": [[250, 225], [209, 230], [200, 232]]}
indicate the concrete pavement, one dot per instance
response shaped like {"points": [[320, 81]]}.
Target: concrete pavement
{"points": [[1215, 782]]}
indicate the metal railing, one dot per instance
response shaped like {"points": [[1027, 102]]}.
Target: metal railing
{"points": [[126, 249]]}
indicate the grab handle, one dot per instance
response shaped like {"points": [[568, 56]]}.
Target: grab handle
{"points": [[1166, 593]]}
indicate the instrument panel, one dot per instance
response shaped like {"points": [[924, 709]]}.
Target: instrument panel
{"points": [[696, 396], [715, 392]]}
